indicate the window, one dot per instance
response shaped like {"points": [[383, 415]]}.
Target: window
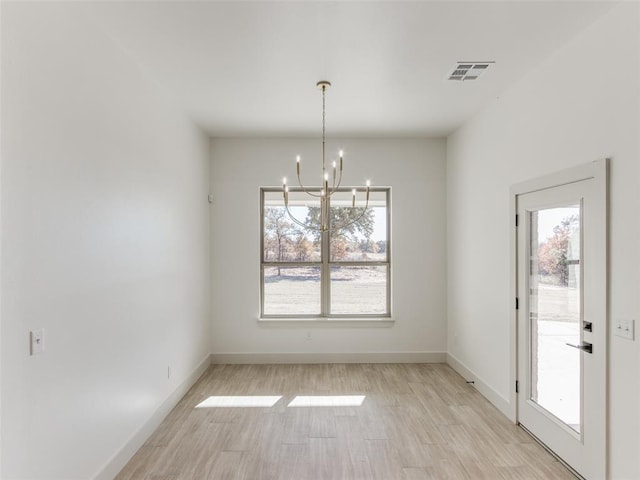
{"points": [[339, 274]]}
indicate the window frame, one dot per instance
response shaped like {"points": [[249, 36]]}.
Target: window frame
{"points": [[325, 264]]}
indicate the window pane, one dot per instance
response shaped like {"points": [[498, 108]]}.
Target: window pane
{"points": [[365, 239], [291, 290], [284, 240], [359, 290]]}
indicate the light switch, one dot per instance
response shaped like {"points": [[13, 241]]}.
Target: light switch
{"points": [[624, 328]]}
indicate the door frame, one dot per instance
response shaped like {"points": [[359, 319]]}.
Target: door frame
{"points": [[598, 171]]}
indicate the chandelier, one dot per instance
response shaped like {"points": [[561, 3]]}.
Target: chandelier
{"points": [[330, 185]]}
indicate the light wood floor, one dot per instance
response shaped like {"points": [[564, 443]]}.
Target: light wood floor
{"points": [[417, 421]]}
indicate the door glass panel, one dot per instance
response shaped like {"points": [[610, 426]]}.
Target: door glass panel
{"points": [[555, 311]]}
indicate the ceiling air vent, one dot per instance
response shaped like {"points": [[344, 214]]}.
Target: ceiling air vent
{"points": [[468, 70]]}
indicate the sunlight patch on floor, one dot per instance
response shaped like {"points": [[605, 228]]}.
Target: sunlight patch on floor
{"points": [[239, 401]]}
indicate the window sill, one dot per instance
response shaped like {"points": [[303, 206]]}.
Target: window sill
{"points": [[336, 321]]}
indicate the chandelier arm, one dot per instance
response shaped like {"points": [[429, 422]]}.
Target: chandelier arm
{"points": [[302, 224], [306, 190], [336, 187], [329, 226], [345, 225]]}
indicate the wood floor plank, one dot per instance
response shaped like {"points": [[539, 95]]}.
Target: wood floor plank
{"points": [[417, 421], [413, 473], [323, 424], [224, 466], [385, 462], [452, 470], [324, 458]]}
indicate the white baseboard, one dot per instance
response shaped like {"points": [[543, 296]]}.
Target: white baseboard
{"points": [[372, 357], [120, 459], [489, 393]]}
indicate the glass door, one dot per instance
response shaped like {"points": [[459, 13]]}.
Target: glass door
{"points": [[562, 321]]}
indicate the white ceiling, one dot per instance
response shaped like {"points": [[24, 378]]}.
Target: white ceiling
{"points": [[250, 68]]}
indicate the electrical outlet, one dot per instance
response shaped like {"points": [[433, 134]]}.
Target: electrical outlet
{"points": [[624, 328], [37, 341], [308, 336]]}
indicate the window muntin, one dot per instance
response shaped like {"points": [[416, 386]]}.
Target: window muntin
{"points": [[308, 274]]}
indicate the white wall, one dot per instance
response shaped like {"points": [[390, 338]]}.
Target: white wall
{"points": [[414, 168], [105, 237], [579, 105]]}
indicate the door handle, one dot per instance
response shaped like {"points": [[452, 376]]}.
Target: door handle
{"points": [[584, 346]]}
